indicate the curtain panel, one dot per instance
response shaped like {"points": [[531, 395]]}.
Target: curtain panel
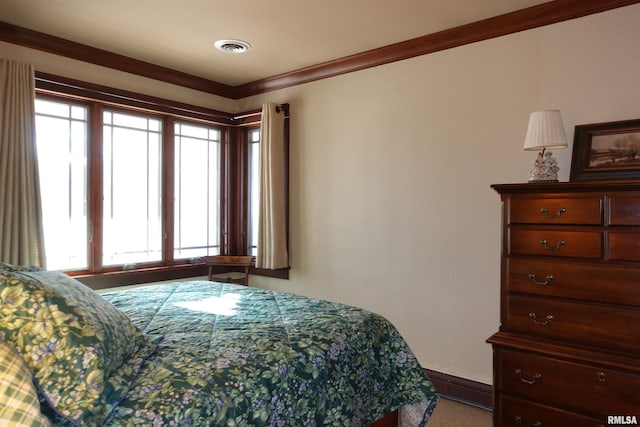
{"points": [[21, 230], [272, 231]]}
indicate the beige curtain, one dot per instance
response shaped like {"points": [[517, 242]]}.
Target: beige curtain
{"points": [[21, 232], [272, 232]]}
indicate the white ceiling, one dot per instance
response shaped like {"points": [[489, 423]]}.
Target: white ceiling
{"points": [[285, 35]]}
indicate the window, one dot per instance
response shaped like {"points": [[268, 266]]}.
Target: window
{"points": [[254, 189], [197, 191], [140, 186], [131, 191], [61, 130], [134, 203]]}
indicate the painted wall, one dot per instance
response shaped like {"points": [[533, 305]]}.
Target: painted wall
{"points": [[391, 208]]}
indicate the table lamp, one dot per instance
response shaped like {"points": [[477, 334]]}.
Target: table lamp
{"points": [[545, 131]]}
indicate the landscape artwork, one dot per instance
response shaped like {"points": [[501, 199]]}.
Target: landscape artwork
{"points": [[617, 150], [606, 151]]}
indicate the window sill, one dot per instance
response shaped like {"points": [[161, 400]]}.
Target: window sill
{"points": [[159, 274]]}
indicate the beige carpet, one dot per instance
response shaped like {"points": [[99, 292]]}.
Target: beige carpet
{"points": [[449, 413]]}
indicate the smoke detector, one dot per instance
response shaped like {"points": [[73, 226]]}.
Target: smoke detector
{"points": [[232, 46]]}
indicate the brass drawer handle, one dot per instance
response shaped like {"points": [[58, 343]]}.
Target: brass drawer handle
{"points": [[545, 212], [547, 279], [558, 245], [544, 322], [521, 423], [532, 381]]}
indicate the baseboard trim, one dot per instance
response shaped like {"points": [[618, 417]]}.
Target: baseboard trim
{"points": [[462, 389]]}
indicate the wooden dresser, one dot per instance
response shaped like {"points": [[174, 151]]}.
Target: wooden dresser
{"points": [[568, 350]]}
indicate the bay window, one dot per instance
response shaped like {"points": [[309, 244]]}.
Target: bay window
{"points": [[134, 184]]}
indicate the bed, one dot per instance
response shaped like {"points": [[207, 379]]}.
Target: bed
{"points": [[202, 353]]}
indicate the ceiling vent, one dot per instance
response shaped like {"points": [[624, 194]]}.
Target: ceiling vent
{"points": [[232, 46]]}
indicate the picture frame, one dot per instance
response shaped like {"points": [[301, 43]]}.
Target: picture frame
{"points": [[606, 151]]}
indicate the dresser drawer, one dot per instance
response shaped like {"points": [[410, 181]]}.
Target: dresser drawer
{"points": [[514, 412], [578, 244], [549, 210], [623, 245], [596, 325], [624, 208], [571, 386], [572, 279]]}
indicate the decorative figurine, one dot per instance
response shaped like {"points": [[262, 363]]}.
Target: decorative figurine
{"points": [[545, 168]]}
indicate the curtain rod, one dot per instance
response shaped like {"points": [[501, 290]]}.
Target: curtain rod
{"points": [[49, 83], [280, 108]]}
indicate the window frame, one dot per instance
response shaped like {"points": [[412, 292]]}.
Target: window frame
{"points": [[249, 131], [85, 202], [175, 191], [97, 266], [234, 176]]}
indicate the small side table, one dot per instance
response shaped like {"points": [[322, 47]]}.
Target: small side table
{"points": [[230, 261]]}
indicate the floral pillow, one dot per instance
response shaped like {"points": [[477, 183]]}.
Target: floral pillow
{"points": [[20, 406], [74, 341], [10, 267]]}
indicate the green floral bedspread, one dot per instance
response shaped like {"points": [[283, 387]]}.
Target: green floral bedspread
{"points": [[238, 356]]}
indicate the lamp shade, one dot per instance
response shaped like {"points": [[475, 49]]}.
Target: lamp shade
{"points": [[545, 131]]}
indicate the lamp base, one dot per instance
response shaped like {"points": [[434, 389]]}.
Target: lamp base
{"points": [[545, 168], [542, 180]]}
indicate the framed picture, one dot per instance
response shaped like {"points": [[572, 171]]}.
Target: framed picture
{"points": [[606, 151]]}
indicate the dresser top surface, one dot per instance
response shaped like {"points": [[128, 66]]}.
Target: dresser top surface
{"points": [[565, 187]]}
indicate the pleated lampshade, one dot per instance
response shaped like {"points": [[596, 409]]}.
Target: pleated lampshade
{"points": [[545, 131]]}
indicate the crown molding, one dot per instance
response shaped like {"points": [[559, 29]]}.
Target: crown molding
{"points": [[58, 46], [521, 20]]}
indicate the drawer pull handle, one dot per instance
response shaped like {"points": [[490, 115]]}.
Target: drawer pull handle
{"points": [[544, 322], [547, 279], [521, 424], [602, 377], [532, 381], [545, 212], [558, 245]]}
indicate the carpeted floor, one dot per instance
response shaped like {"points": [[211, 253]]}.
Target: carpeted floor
{"points": [[449, 413]]}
